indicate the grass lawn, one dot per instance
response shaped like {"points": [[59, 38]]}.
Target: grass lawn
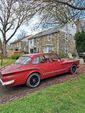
{"points": [[67, 97], [6, 61]]}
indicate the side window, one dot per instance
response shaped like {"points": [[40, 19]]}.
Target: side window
{"points": [[37, 60], [54, 56], [51, 56]]}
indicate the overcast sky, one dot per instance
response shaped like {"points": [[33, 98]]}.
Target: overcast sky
{"points": [[29, 28]]}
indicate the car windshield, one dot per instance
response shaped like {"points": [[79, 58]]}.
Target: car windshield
{"points": [[23, 60]]}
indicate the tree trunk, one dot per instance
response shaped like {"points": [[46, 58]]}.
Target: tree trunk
{"points": [[4, 49]]}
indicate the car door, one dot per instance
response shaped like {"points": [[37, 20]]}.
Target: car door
{"points": [[45, 66], [56, 64]]}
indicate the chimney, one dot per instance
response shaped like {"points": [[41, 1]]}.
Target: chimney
{"points": [[78, 25]]}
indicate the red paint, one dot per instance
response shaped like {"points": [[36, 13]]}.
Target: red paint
{"points": [[20, 72]]}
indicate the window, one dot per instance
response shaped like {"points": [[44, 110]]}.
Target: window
{"points": [[49, 37], [47, 49], [30, 41], [23, 60], [37, 60], [38, 49], [31, 50]]}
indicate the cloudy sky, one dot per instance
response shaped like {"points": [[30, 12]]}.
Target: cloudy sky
{"points": [[29, 28]]}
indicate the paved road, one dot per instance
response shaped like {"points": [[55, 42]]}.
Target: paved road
{"points": [[9, 94]]}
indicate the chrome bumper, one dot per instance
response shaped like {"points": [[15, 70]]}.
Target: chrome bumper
{"points": [[7, 83]]}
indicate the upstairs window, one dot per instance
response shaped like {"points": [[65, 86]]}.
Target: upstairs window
{"points": [[30, 41], [49, 37]]}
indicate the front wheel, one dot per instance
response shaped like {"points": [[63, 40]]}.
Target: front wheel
{"points": [[73, 69], [33, 80]]}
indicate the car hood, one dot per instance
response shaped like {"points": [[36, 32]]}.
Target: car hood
{"points": [[12, 68]]}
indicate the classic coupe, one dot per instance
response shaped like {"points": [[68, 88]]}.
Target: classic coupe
{"points": [[30, 69]]}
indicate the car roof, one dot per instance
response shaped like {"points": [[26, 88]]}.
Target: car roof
{"points": [[37, 54]]}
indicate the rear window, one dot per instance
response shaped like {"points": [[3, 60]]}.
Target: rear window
{"points": [[23, 60]]}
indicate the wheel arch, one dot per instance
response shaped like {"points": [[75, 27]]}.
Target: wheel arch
{"points": [[34, 71]]}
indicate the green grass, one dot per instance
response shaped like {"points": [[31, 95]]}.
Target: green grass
{"points": [[67, 97], [6, 61]]}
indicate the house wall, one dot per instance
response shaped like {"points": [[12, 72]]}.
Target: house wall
{"points": [[47, 41], [24, 46], [43, 43], [59, 42], [66, 43]]}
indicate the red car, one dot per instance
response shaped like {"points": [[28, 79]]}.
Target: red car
{"points": [[30, 69]]}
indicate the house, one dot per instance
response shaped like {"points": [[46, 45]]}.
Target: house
{"points": [[52, 40], [46, 41], [20, 45]]}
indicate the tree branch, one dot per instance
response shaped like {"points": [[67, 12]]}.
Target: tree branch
{"points": [[13, 32], [70, 5], [66, 3]]}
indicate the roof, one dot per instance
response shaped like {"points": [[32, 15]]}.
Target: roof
{"points": [[45, 32], [19, 40], [40, 34]]}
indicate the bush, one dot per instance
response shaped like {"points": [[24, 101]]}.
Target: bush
{"points": [[15, 56], [62, 55], [80, 41]]}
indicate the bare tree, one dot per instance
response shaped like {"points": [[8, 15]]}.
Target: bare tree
{"points": [[22, 34], [60, 12], [14, 13]]}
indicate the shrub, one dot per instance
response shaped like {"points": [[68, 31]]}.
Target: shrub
{"points": [[62, 55], [16, 56], [80, 41]]}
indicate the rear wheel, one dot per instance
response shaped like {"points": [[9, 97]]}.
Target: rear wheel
{"points": [[33, 80], [73, 69]]}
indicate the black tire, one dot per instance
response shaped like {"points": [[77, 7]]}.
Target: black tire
{"points": [[33, 80], [73, 69]]}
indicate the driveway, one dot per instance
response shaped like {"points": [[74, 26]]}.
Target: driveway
{"points": [[9, 94]]}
